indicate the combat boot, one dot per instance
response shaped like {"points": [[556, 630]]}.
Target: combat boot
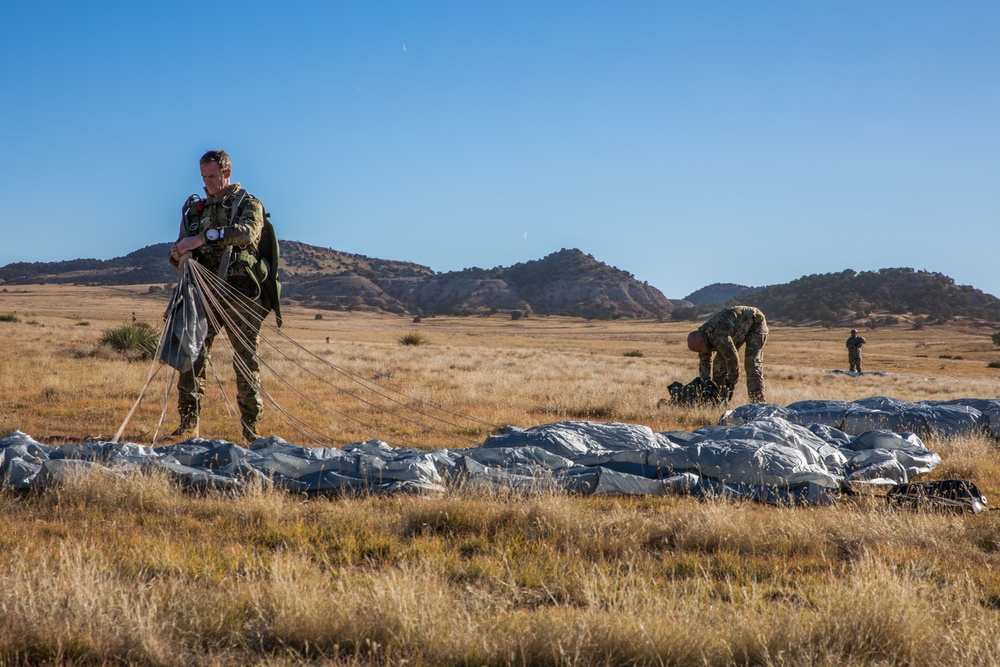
{"points": [[250, 432], [188, 425]]}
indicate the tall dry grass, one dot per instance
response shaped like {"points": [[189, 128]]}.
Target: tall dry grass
{"points": [[131, 570]]}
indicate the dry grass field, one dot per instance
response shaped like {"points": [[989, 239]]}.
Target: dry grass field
{"points": [[136, 571]]}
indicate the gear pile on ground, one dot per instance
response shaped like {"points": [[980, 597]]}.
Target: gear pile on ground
{"points": [[808, 452]]}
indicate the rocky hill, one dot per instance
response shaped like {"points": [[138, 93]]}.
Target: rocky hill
{"points": [[716, 293], [567, 282], [849, 296], [144, 266], [867, 298]]}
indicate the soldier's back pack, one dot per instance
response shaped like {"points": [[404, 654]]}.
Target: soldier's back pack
{"points": [[263, 267], [695, 392], [268, 257]]}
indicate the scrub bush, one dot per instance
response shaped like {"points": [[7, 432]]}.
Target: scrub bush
{"points": [[412, 338], [136, 340]]}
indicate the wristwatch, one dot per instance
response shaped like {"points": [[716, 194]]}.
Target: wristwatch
{"points": [[212, 234]]}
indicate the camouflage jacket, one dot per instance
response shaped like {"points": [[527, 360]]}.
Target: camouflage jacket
{"points": [[725, 331], [855, 342], [240, 231]]}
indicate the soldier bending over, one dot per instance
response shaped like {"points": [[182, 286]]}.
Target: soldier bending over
{"points": [[724, 334]]}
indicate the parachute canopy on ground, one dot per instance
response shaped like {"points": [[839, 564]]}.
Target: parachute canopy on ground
{"points": [[762, 452], [959, 417]]}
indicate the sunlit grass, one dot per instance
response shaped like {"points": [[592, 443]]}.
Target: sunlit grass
{"points": [[130, 569], [135, 570]]}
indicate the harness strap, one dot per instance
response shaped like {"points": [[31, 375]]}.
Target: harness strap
{"points": [[227, 254]]}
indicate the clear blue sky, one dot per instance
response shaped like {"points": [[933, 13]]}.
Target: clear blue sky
{"points": [[685, 142]]}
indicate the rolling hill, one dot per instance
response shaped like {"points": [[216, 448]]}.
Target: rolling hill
{"points": [[567, 282], [850, 296]]}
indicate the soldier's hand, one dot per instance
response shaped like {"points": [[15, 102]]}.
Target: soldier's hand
{"points": [[186, 245]]}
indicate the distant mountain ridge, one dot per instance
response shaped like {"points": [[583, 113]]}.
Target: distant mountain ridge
{"points": [[567, 282], [144, 266], [716, 293], [849, 296]]}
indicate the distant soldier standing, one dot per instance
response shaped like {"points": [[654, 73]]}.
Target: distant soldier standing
{"points": [[223, 232], [724, 334], [854, 344]]}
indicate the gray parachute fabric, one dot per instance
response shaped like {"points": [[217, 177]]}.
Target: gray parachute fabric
{"points": [[186, 326], [770, 459], [960, 417], [989, 410]]}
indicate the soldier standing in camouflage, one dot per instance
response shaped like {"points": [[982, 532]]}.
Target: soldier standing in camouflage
{"points": [[223, 232], [854, 344], [724, 333]]}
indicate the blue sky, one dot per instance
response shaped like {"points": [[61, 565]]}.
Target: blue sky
{"points": [[685, 142]]}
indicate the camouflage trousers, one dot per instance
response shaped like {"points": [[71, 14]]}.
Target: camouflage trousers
{"points": [[753, 362], [854, 359], [242, 323]]}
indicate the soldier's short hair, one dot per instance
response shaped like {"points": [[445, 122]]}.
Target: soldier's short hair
{"points": [[220, 157]]}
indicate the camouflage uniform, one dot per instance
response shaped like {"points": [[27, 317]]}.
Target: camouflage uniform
{"points": [[725, 332], [241, 233], [854, 344]]}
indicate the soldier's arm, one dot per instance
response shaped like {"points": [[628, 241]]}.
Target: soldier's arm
{"points": [[188, 217], [705, 365], [727, 349], [247, 226], [185, 244]]}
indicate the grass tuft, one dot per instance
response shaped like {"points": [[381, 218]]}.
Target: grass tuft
{"points": [[136, 340], [412, 338]]}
